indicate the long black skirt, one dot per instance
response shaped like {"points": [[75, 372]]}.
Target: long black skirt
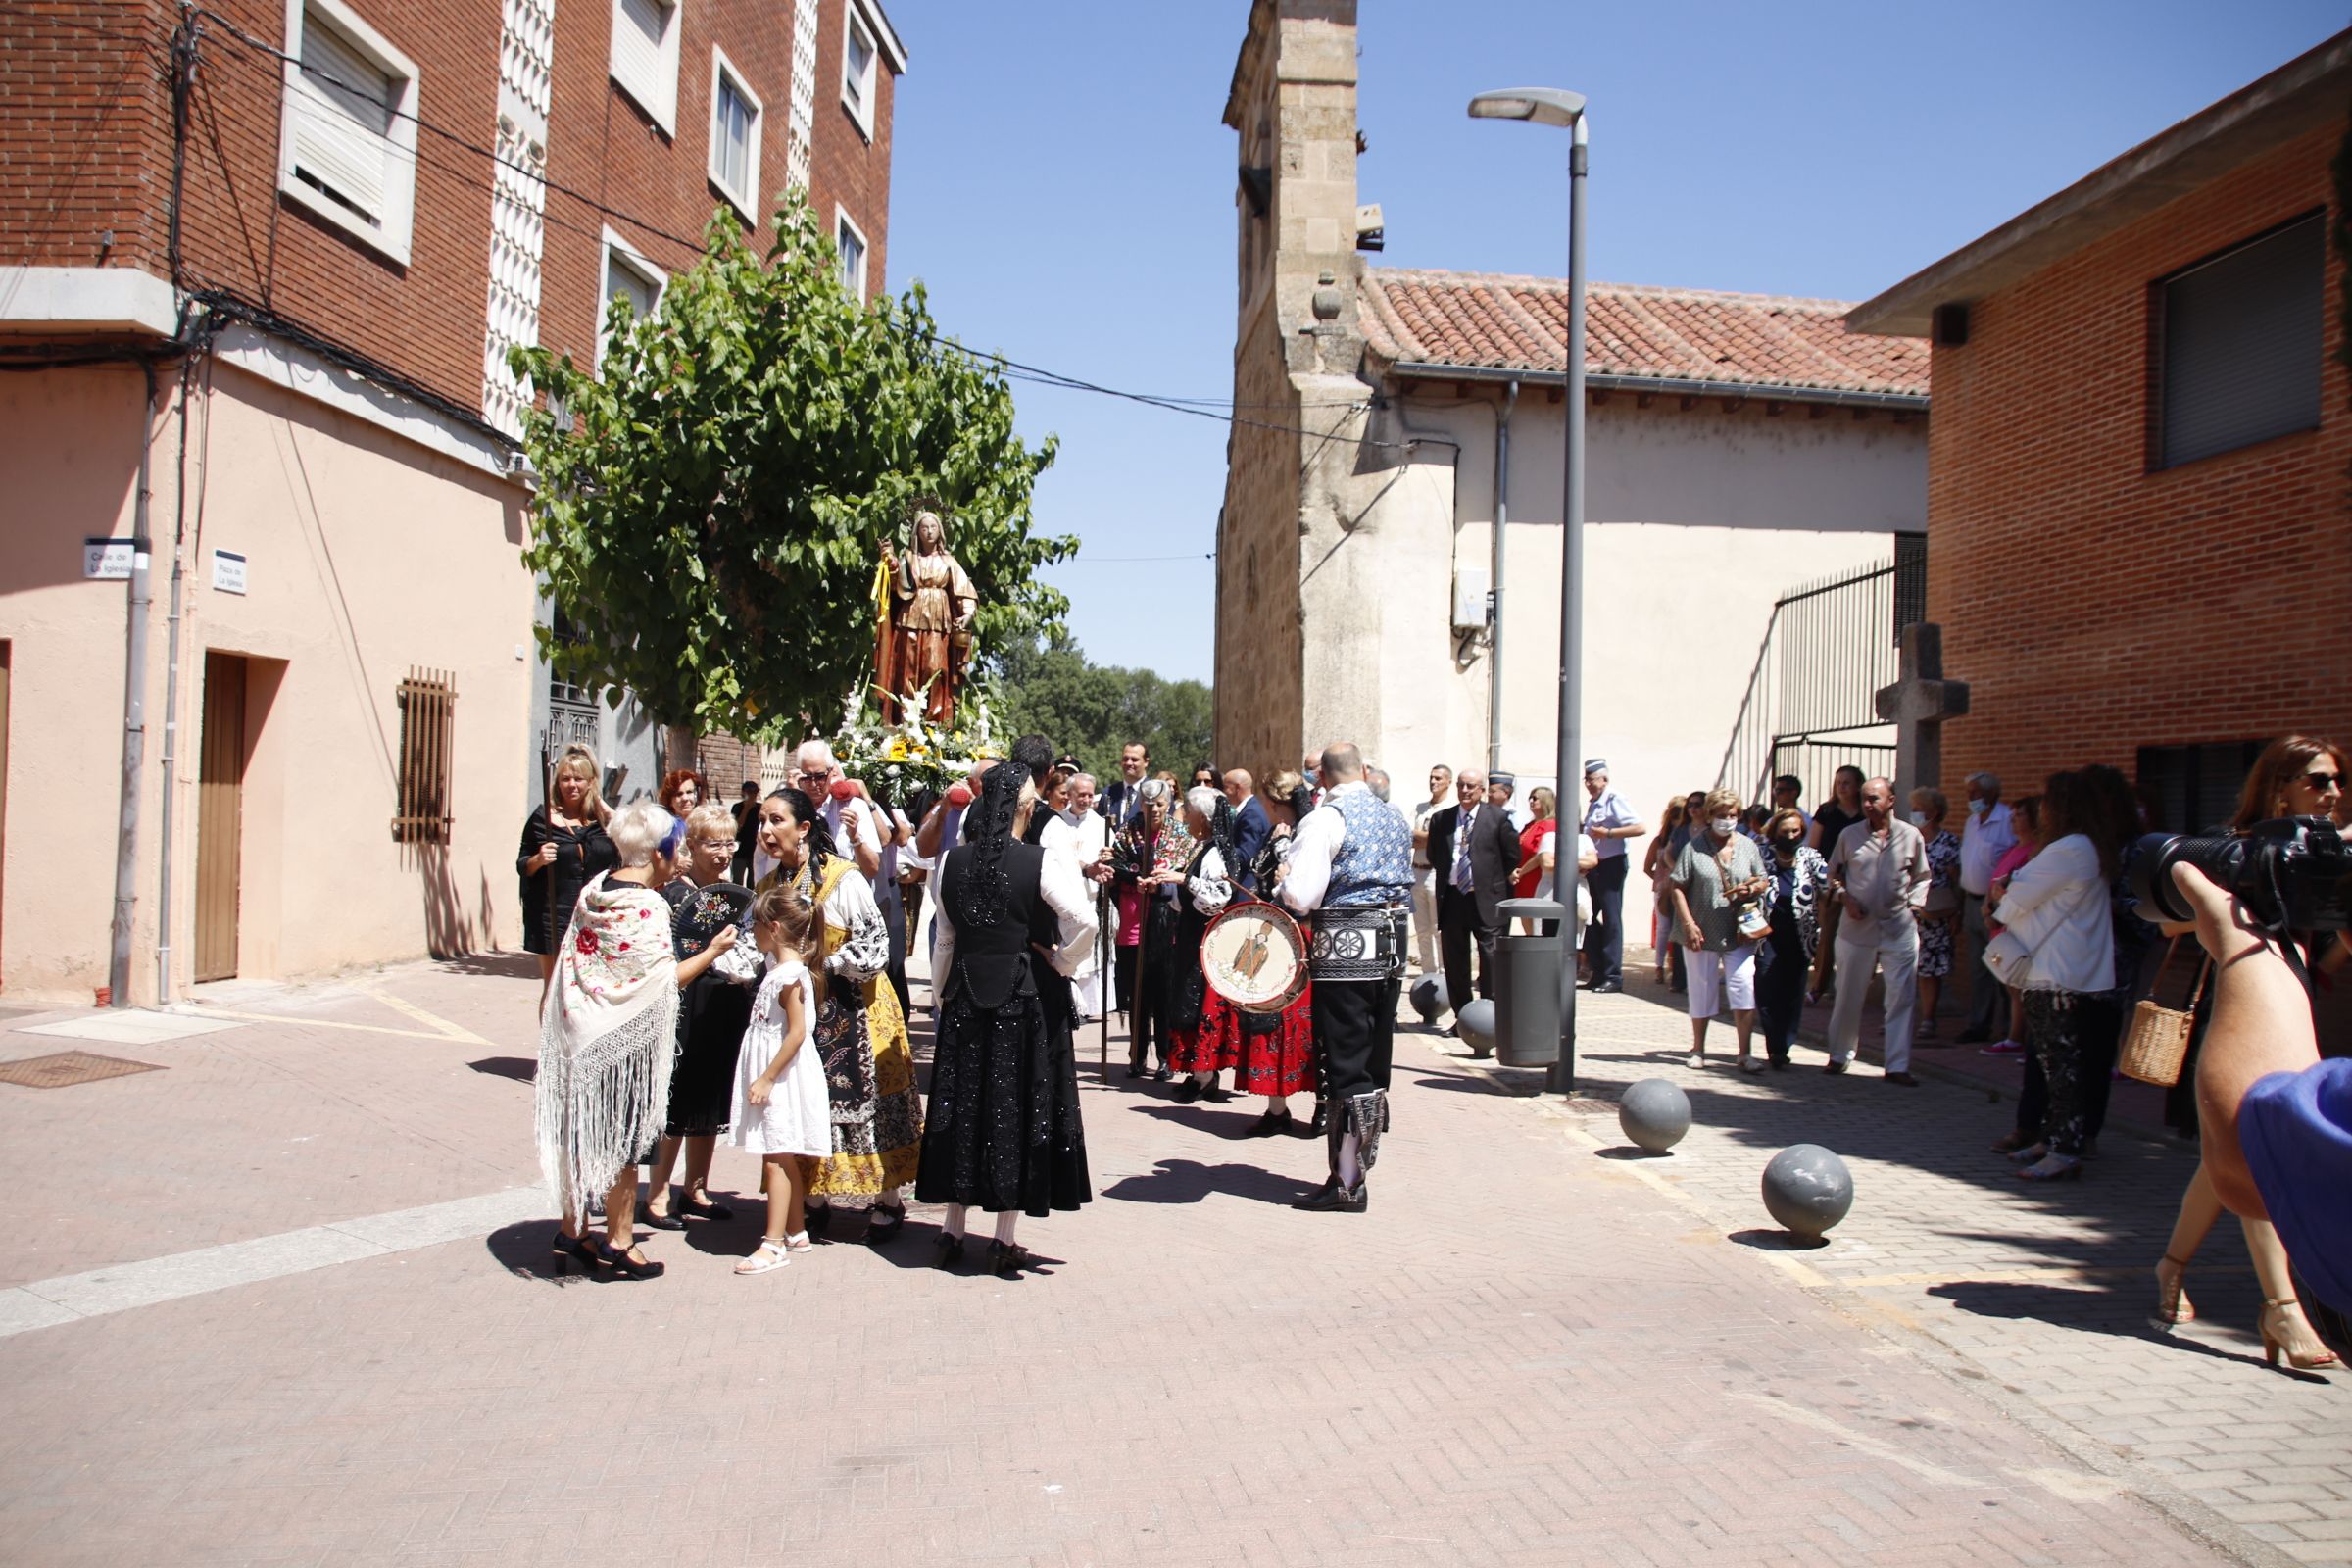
{"points": [[1002, 1129], [712, 1017]]}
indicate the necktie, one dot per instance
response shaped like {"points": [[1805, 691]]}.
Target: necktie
{"points": [[1461, 855]]}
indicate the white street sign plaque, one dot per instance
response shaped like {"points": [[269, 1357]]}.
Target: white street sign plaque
{"points": [[107, 560], [228, 571]]}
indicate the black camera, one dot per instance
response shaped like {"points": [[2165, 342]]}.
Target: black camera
{"points": [[2291, 873]]}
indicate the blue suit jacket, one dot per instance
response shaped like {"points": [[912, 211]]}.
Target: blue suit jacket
{"points": [[1251, 830]]}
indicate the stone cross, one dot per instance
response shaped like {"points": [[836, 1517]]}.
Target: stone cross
{"points": [[1917, 705]]}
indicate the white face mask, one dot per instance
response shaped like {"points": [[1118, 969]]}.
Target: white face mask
{"points": [[1724, 826], [1979, 808], [1919, 819]]}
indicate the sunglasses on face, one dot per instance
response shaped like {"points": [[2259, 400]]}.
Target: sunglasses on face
{"points": [[2326, 781]]}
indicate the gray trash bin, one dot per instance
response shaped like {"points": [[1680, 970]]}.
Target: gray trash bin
{"points": [[1527, 986]]}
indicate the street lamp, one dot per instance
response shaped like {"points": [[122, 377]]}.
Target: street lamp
{"points": [[1553, 106]]}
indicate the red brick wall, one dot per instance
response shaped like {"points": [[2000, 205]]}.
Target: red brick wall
{"points": [[86, 130], [86, 145], [602, 144], [2094, 606]]}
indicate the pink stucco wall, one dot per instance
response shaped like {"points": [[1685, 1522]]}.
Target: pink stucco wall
{"points": [[368, 555]]}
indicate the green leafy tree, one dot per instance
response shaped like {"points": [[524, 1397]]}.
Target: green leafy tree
{"points": [[1047, 685], [712, 508]]}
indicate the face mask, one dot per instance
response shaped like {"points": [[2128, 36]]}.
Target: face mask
{"points": [[1919, 819], [1724, 826], [1979, 808], [1788, 840]]}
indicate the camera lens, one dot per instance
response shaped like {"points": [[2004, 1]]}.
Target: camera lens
{"points": [[2150, 870]]}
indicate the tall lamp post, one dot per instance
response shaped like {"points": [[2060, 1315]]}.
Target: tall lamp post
{"points": [[1553, 106]]}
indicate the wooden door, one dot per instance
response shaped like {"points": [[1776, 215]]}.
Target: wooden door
{"points": [[220, 815]]}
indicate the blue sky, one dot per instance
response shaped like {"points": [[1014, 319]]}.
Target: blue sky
{"points": [[1063, 186]]}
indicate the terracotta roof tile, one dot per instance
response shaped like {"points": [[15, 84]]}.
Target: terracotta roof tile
{"points": [[1761, 340]]}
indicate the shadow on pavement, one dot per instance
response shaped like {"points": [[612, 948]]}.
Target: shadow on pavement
{"points": [[1187, 1181], [504, 965], [1765, 1239], [523, 1249], [523, 1070]]}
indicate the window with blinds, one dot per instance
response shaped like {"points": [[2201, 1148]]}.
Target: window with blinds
{"points": [[645, 57], [627, 277], [734, 136], [2238, 338], [348, 149]]}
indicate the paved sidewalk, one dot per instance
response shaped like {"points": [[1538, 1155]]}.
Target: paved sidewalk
{"points": [[1524, 1352], [2042, 1294]]}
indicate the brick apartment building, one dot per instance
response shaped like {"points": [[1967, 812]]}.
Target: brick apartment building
{"points": [[2140, 467], [260, 265]]}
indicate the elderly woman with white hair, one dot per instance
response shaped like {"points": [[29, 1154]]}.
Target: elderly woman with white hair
{"points": [[608, 1039]]}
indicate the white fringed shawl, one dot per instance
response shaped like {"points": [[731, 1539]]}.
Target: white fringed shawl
{"points": [[608, 1040]]}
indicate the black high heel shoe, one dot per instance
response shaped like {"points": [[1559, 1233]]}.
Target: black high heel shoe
{"points": [[950, 1248], [574, 1250], [623, 1266], [1007, 1258], [884, 1224]]}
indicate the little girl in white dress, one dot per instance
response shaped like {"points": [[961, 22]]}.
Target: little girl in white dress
{"points": [[781, 1111]]}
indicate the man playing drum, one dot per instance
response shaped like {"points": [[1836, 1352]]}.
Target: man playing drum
{"points": [[1352, 873]]}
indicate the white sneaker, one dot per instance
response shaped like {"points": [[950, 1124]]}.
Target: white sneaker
{"points": [[1695, 1061]]}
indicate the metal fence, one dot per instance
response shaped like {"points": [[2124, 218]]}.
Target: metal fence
{"points": [[1811, 704]]}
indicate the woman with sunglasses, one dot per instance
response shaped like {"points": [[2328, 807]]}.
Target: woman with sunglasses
{"points": [[2294, 776]]}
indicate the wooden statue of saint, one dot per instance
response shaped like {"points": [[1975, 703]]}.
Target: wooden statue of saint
{"points": [[929, 641]]}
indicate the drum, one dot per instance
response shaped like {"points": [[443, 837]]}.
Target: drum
{"points": [[1254, 957]]}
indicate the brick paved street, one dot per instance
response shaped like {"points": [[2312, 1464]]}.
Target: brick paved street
{"points": [[1527, 1351]]}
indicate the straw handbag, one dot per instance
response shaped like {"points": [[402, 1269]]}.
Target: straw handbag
{"points": [[2157, 1043]]}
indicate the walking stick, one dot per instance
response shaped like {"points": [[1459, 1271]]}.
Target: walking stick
{"points": [[1103, 975]]}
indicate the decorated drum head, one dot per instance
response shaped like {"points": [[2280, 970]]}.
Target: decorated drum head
{"points": [[1254, 957]]}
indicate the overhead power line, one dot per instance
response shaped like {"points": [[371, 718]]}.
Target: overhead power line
{"points": [[1214, 409]]}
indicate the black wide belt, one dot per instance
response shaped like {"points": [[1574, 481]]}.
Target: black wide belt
{"points": [[1357, 942]]}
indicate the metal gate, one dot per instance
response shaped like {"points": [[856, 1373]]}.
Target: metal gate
{"points": [[1812, 695]]}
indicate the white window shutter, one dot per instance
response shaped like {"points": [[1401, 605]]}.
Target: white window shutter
{"points": [[342, 121], [641, 61]]}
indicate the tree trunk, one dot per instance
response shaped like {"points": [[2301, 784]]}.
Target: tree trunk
{"points": [[678, 745]]}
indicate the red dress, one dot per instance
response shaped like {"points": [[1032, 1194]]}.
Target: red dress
{"points": [[1281, 1061], [1530, 837]]}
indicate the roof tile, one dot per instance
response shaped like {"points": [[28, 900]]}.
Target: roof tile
{"points": [[1496, 322]]}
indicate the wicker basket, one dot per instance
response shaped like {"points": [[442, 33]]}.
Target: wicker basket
{"points": [[2156, 1044]]}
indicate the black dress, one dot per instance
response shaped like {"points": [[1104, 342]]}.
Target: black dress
{"points": [[1002, 1131], [714, 1011], [550, 893]]}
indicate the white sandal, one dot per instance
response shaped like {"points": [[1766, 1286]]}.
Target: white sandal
{"points": [[799, 1242], [770, 1256]]}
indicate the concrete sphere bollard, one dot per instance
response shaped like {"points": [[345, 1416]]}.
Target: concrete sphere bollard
{"points": [[1655, 1113], [1807, 1189], [1474, 1021], [1428, 998]]}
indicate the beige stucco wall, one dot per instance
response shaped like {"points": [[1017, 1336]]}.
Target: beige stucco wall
{"points": [[1696, 523], [368, 555]]}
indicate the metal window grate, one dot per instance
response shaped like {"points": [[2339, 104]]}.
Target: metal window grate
{"points": [[429, 701], [2242, 338]]}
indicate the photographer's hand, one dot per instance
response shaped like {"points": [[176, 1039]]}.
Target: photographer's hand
{"points": [[2260, 1025]]}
